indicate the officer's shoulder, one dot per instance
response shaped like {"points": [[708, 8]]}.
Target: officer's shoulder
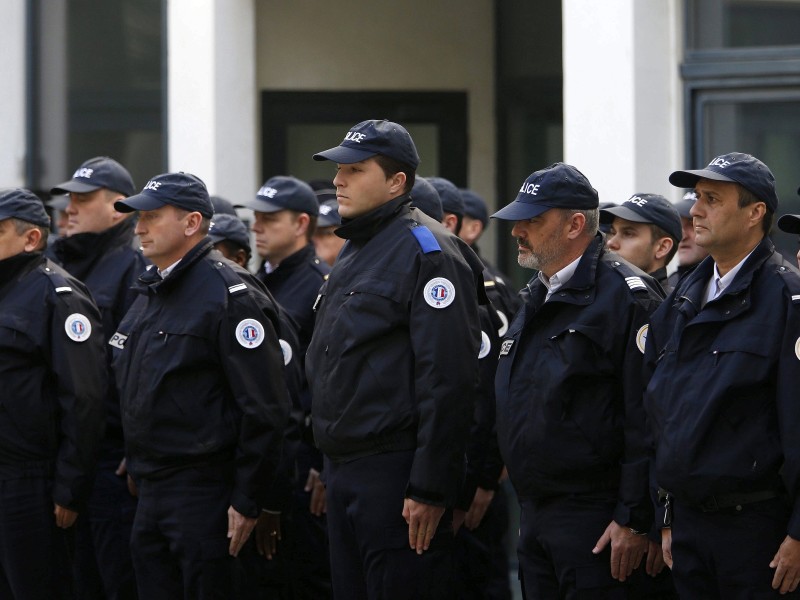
{"points": [[319, 267], [61, 282], [638, 283], [788, 275], [236, 280]]}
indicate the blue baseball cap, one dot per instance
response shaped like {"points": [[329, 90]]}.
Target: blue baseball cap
{"points": [[474, 206], [284, 192], [95, 173], [685, 204], [558, 186], [647, 208], [222, 206], [182, 190], [425, 197], [736, 167], [225, 227], [368, 138], [22, 204], [452, 202], [329, 214]]}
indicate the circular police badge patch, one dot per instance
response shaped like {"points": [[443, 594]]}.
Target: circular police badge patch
{"points": [[641, 337], [797, 348], [78, 327], [287, 351], [439, 292], [250, 333], [486, 345], [504, 320]]}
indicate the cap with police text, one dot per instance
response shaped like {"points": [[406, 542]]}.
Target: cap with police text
{"points": [[647, 208], [736, 167], [181, 190], [329, 214], [368, 138], [452, 202], [425, 197], [558, 186], [22, 204], [474, 206], [685, 204], [225, 227], [284, 192], [96, 173]]}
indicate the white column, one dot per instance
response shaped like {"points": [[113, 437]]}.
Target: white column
{"points": [[623, 108], [12, 100], [212, 122]]}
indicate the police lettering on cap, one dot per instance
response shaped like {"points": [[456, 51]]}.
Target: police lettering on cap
{"points": [[329, 214], [474, 206], [736, 167], [368, 138], [96, 173], [647, 208], [425, 197], [181, 190], [558, 186], [283, 192], [225, 227], [22, 204], [452, 202]]}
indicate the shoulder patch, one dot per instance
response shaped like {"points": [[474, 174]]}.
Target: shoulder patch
{"points": [[635, 283], [118, 340], [287, 352], [439, 292], [641, 337], [505, 347], [486, 345], [632, 277], [426, 240], [238, 288], [78, 327], [249, 333], [504, 323]]}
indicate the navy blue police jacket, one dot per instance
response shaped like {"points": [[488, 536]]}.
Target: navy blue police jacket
{"points": [[108, 265], [199, 371], [53, 374], [394, 357], [569, 387], [722, 383]]}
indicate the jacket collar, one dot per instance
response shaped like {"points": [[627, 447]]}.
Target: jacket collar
{"points": [[151, 280], [305, 253], [13, 268], [367, 225]]}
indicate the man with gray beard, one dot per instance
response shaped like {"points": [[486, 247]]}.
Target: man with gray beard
{"points": [[570, 420]]}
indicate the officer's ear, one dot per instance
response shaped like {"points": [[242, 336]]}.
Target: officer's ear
{"points": [[577, 224], [33, 238], [397, 182], [193, 222], [756, 213], [663, 247]]}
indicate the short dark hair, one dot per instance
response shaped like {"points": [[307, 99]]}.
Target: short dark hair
{"points": [[20, 227], [233, 247], [658, 233], [391, 166], [746, 198]]}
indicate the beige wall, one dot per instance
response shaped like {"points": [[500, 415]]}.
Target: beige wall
{"points": [[415, 45]]}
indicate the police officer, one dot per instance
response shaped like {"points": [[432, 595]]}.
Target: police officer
{"points": [[480, 540], [52, 368], [644, 230], [689, 253], [570, 419], [286, 212], [204, 403], [97, 248], [326, 243], [723, 355], [392, 367], [791, 224]]}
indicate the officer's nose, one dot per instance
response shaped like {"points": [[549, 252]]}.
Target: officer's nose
{"points": [[517, 230], [613, 242], [70, 208]]}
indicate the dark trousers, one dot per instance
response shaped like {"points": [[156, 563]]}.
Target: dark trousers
{"points": [[370, 555], [103, 567], [179, 543], [555, 548], [34, 553], [726, 554]]}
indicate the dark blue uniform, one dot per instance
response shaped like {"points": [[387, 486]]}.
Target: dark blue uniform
{"points": [[204, 405], [392, 366], [722, 399], [571, 423], [53, 376], [107, 263]]}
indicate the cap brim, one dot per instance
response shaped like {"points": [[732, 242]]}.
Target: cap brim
{"points": [[58, 203], [688, 179], [789, 223], [74, 186], [623, 212], [259, 205], [326, 222], [138, 202], [344, 155], [520, 211]]}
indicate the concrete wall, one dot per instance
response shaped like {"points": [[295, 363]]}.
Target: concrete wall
{"points": [[12, 100]]}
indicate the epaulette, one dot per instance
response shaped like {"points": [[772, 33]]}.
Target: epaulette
{"points": [[320, 267], [233, 282], [59, 282], [791, 279], [425, 238], [489, 283], [632, 278]]}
